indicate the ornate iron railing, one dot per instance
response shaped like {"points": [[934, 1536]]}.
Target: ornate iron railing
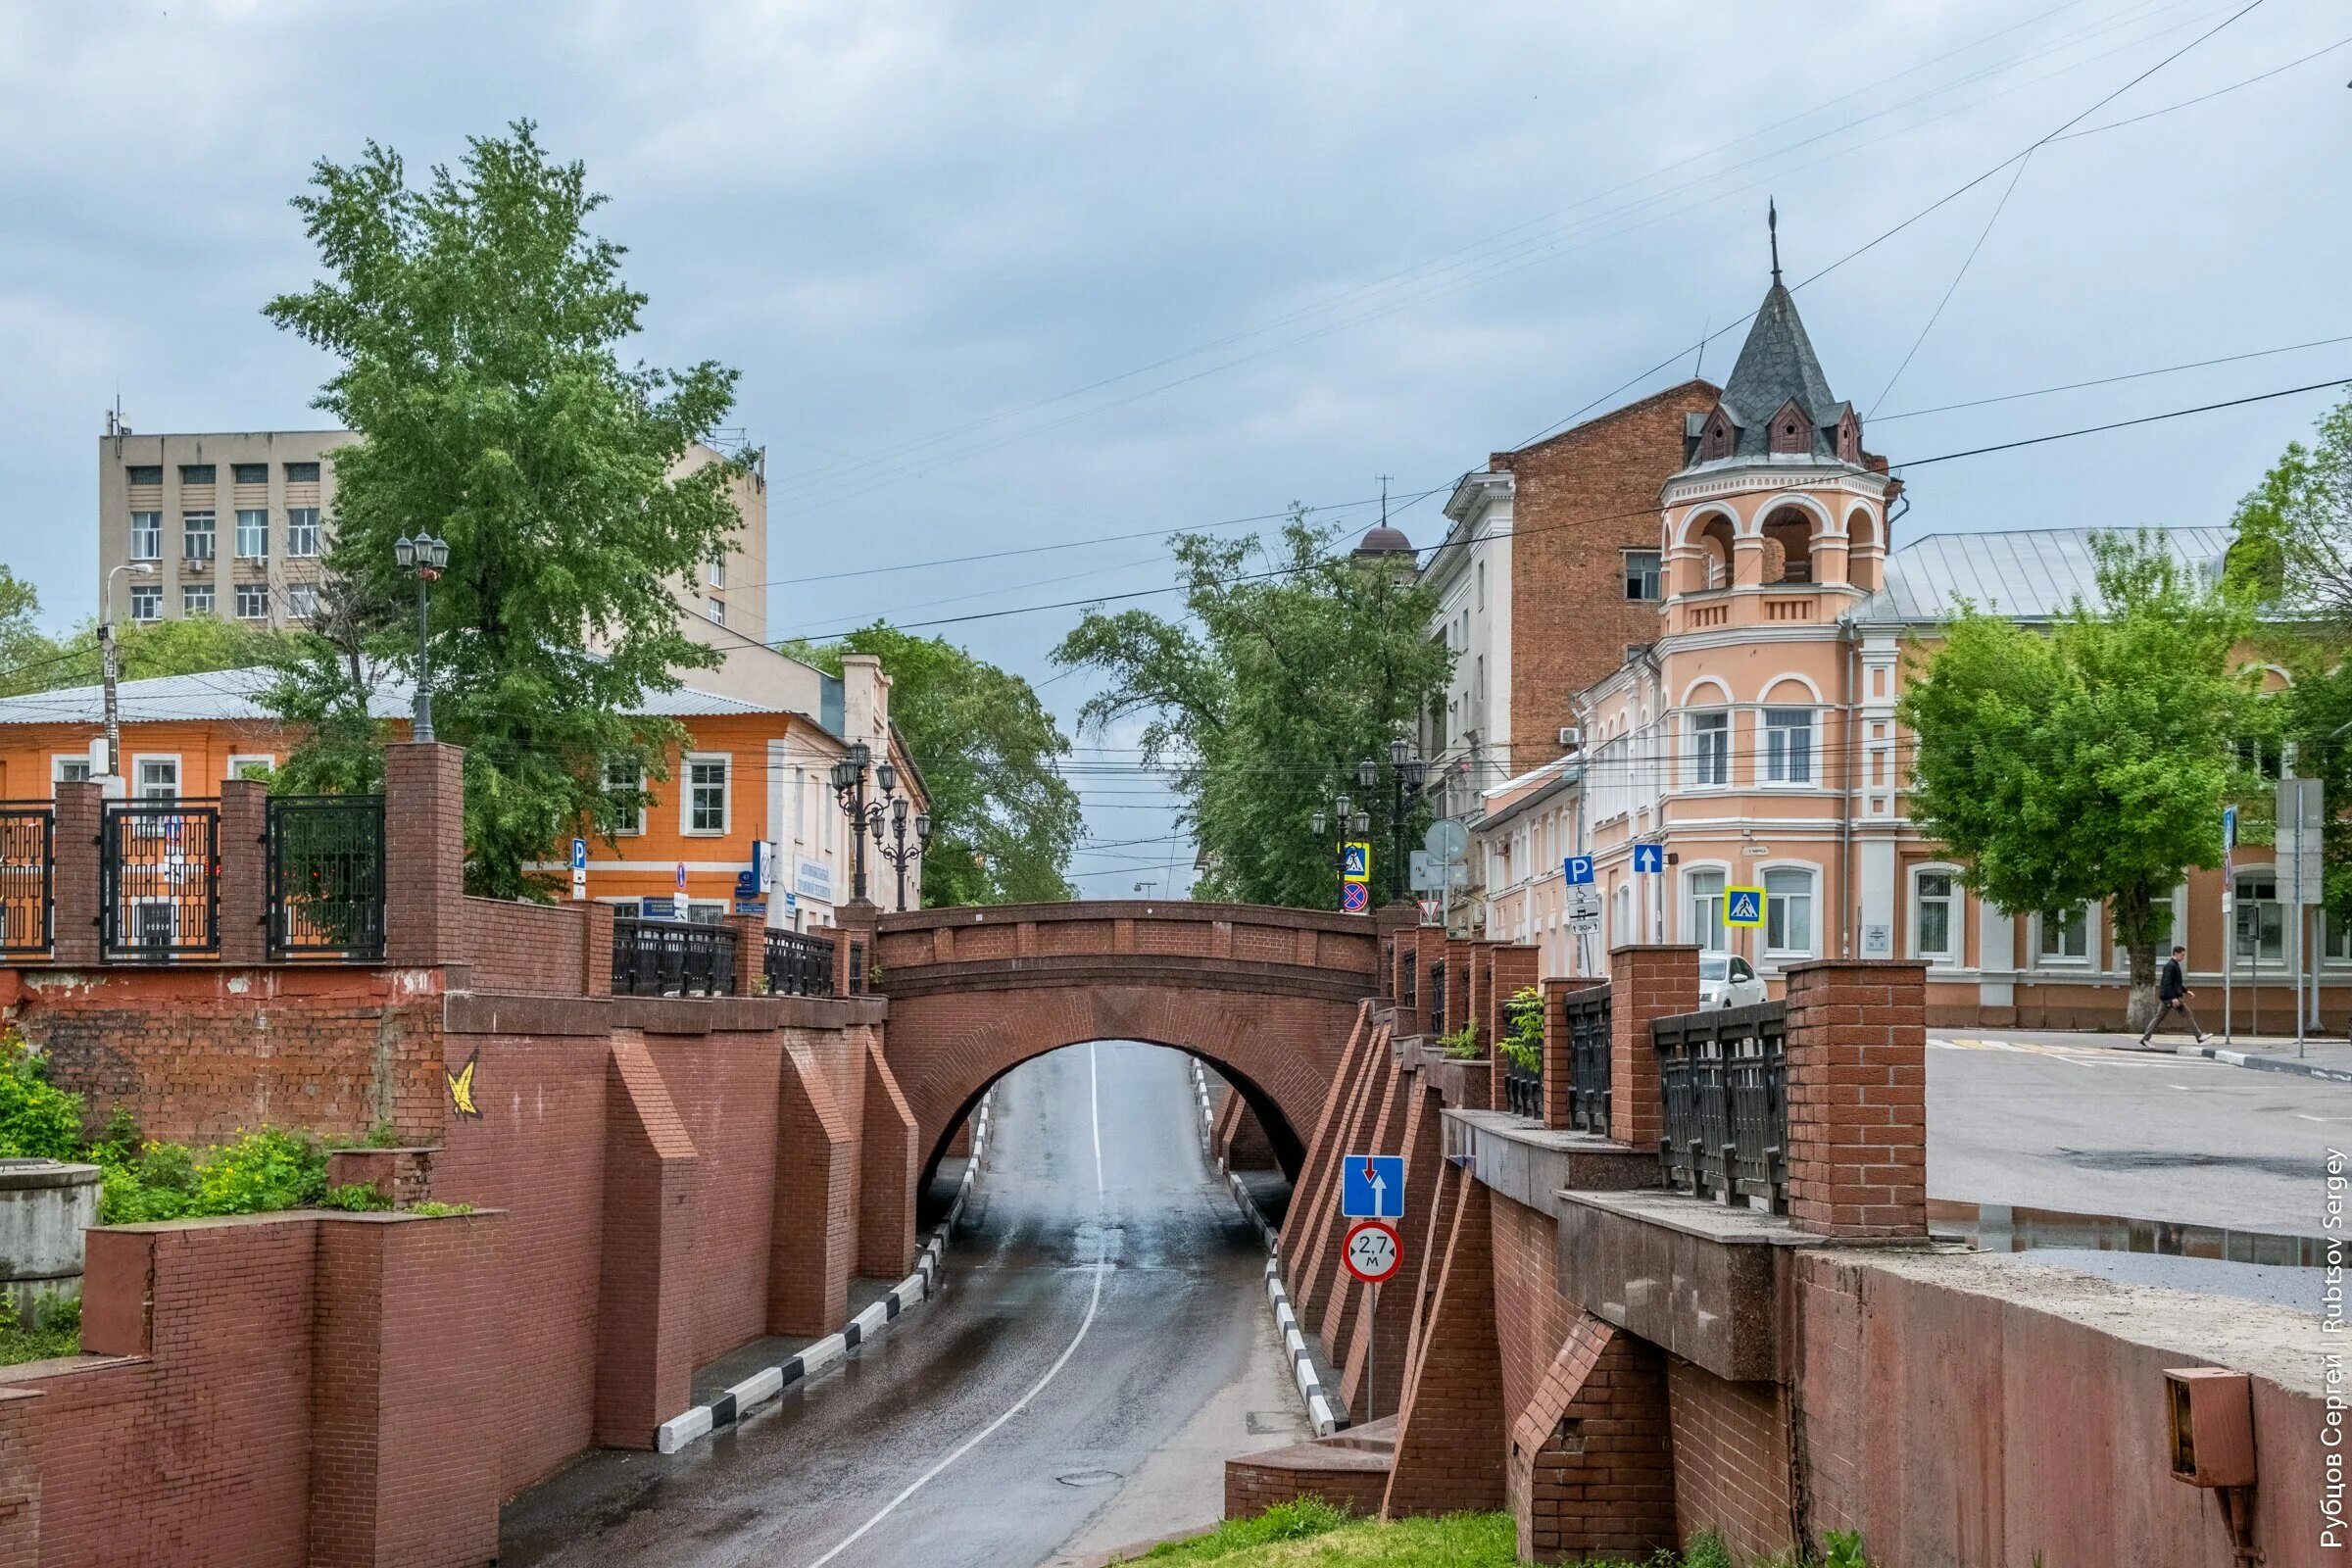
{"points": [[1523, 1088], [798, 964], [672, 958], [1587, 1016], [1723, 1077], [858, 975], [1437, 997], [158, 879], [1412, 999], [326, 876], [27, 867]]}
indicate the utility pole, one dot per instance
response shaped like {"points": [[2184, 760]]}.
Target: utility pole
{"points": [[112, 666]]}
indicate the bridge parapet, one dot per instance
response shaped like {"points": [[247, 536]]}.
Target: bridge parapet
{"points": [[1139, 932]]}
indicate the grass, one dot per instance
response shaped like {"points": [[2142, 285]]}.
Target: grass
{"points": [[1306, 1533], [55, 1329]]}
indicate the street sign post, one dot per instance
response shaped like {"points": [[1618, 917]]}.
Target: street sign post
{"points": [[1578, 870], [1649, 860], [1372, 1187], [2302, 827], [579, 868], [1356, 877]]}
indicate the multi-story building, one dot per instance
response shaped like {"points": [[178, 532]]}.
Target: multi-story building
{"points": [[233, 525]]}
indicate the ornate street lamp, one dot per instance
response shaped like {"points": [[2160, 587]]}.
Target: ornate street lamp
{"points": [[424, 557], [899, 853], [848, 783], [1405, 771]]}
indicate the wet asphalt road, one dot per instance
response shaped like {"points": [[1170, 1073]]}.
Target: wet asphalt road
{"points": [[1117, 1288]]}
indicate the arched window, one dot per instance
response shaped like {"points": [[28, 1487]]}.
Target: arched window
{"points": [[1791, 529], [1716, 540]]}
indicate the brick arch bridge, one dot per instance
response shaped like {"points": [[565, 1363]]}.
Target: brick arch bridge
{"points": [[1266, 996]]}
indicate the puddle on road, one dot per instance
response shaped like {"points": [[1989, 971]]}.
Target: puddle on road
{"points": [[2005, 1227]]}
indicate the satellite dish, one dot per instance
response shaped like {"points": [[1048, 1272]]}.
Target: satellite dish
{"points": [[1447, 839]]}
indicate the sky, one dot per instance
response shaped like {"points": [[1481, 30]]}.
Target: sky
{"points": [[1001, 278]]}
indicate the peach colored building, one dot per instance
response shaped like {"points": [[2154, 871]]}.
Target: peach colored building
{"points": [[1755, 738]]}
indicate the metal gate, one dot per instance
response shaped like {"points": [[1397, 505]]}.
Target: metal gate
{"points": [[158, 879], [326, 876], [27, 867]]}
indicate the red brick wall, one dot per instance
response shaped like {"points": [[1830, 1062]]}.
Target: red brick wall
{"points": [[1578, 501], [1344, 1478], [538, 947], [1450, 1435], [1858, 1098], [1532, 1319], [1730, 1460], [1591, 1470]]}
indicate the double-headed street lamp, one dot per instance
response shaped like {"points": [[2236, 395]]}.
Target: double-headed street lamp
{"points": [[425, 557], [868, 816], [899, 853]]}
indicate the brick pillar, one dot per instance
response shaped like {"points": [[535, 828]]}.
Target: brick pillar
{"points": [[1858, 1098], [751, 952], [596, 949], [813, 1228], [1560, 1071], [1514, 968], [893, 1163], [405, 1426], [80, 818], [1450, 1432], [1396, 923], [244, 870], [424, 852], [1592, 1468], [1646, 982], [854, 948], [645, 1303]]}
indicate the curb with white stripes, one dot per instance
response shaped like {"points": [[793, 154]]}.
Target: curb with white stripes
{"points": [[1320, 1408], [2247, 1058], [770, 1383]]}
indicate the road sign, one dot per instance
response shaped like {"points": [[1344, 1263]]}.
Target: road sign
{"points": [[1579, 868], [1373, 1251], [1355, 898], [579, 868], [1423, 873], [1649, 860], [1447, 839], [1742, 906], [681, 876], [1372, 1187], [1355, 861]]}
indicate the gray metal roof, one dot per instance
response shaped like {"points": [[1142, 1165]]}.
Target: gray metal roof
{"points": [[2031, 574], [236, 693], [1778, 364]]}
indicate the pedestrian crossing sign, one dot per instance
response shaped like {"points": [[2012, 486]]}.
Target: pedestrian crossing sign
{"points": [[1355, 864], [1742, 906]]}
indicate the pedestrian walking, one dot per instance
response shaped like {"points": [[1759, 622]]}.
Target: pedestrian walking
{"points": [[2172, 992]]}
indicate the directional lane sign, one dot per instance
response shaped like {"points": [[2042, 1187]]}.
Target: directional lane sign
{"points": [[1650, 858], [1372, 1187], [1742, 906], [1579, 870], [1373, 1251]]}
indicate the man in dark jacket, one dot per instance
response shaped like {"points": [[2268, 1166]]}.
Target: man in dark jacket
{"points": [[2172, 990]]}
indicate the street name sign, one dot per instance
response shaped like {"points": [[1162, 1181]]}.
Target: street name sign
{"points": [[1372, 1187], [1373, 1253], [1742, 906]]}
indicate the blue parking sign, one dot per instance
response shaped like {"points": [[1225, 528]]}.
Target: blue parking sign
{"points": [[1580, 870], [1372, 1187], [1649, 857]]}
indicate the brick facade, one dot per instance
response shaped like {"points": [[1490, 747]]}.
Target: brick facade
{"points": [[1592, 1467], [1450, 1432], [1645, 983], [1858, 1098], [1559, 1069], [1730, 1460]]}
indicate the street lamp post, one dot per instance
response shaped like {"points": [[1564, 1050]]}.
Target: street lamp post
{"points": [[848, 783], [111, 665], [899, 853], [424, 557], [1405, 774]]}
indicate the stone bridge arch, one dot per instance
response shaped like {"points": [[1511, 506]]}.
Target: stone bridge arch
{"points": [[1265, 996]]}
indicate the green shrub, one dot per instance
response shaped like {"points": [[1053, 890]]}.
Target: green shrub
{"points": [[38, 1119], [1524, 1044], [429, 1209], [259, 1173], [1461, 1044], [1708, 1550], [356, 1198], [1845, 1549], [55, 1329]]}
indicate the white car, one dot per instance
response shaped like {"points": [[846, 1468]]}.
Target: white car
{"points": [[1725, 980]]}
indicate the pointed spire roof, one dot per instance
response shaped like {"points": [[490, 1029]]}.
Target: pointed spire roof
{"points": [[1776, 366]]}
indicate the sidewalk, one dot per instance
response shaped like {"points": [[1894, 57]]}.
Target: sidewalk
{"points": [[2328, 1059]]}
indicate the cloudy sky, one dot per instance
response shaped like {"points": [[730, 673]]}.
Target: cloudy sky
{"points": [[1001, 277]]}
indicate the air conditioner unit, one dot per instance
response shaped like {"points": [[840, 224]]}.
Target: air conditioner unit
{"points": [[1571, 738]]}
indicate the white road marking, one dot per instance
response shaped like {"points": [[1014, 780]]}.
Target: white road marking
{"points": [[1094, 1302]]}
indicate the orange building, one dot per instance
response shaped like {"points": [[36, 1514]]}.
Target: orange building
{"points": [[751, 774]]}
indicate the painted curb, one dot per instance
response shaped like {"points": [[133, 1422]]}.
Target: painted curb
{"points": [[770, 1383], [1319, 1406], [2241, 1058]]}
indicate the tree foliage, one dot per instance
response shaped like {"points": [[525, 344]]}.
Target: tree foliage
{"points": [[477, 324], [1259, 703], [33, 661], [2088, 765], [1003, 820]]}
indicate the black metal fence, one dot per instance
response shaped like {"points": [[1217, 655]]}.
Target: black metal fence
{"points": [[798, 964], [857, 967], [159, 874], [1437, 997], [1723, 1077], [1587, 1016], [326, 876], [27, 857], [672, 958], [1411, 999]]}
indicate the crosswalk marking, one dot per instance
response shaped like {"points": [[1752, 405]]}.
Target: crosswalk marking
{"points": [[2076, 1056]]}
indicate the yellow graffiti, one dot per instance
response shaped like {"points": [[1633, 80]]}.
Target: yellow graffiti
{"points": [[460, 1086]]}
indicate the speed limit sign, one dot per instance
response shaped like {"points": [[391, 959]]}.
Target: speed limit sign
{"points": [[1373, 1251]]}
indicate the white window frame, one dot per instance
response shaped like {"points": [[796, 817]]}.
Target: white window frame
{"points": [[726, 762], [59, 761], [188, 607], [257, 593], [718, 571], [1774, 758], [151, 594], [239, 761], [302, 600], [1955, 929], [139, 768], [243, 513], [638, 783], [2241, 904], [302, 537], [147, 538], [2331, 932], [210, 533], [1811, 874], [716, 610], [2044, 958], [1696, 774], [1689, 906]]}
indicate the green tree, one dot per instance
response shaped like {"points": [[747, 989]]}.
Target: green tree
{"points": [[31, 661], [1003, 820], [477, 324], [26, 654], [1258, 705], [2088, 765]]}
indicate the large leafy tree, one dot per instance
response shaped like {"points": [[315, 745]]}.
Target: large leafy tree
{"points": [[1258, 704], [1003, 820], [2088, 765], [478, 324]]}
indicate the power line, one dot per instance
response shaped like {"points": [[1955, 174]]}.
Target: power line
{"points": [[2110, 380]]}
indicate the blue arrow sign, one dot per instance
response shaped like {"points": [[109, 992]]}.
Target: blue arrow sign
{"points": [[1744, 906], [1372, 1187], [1579, 868], [1649, 857]]}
